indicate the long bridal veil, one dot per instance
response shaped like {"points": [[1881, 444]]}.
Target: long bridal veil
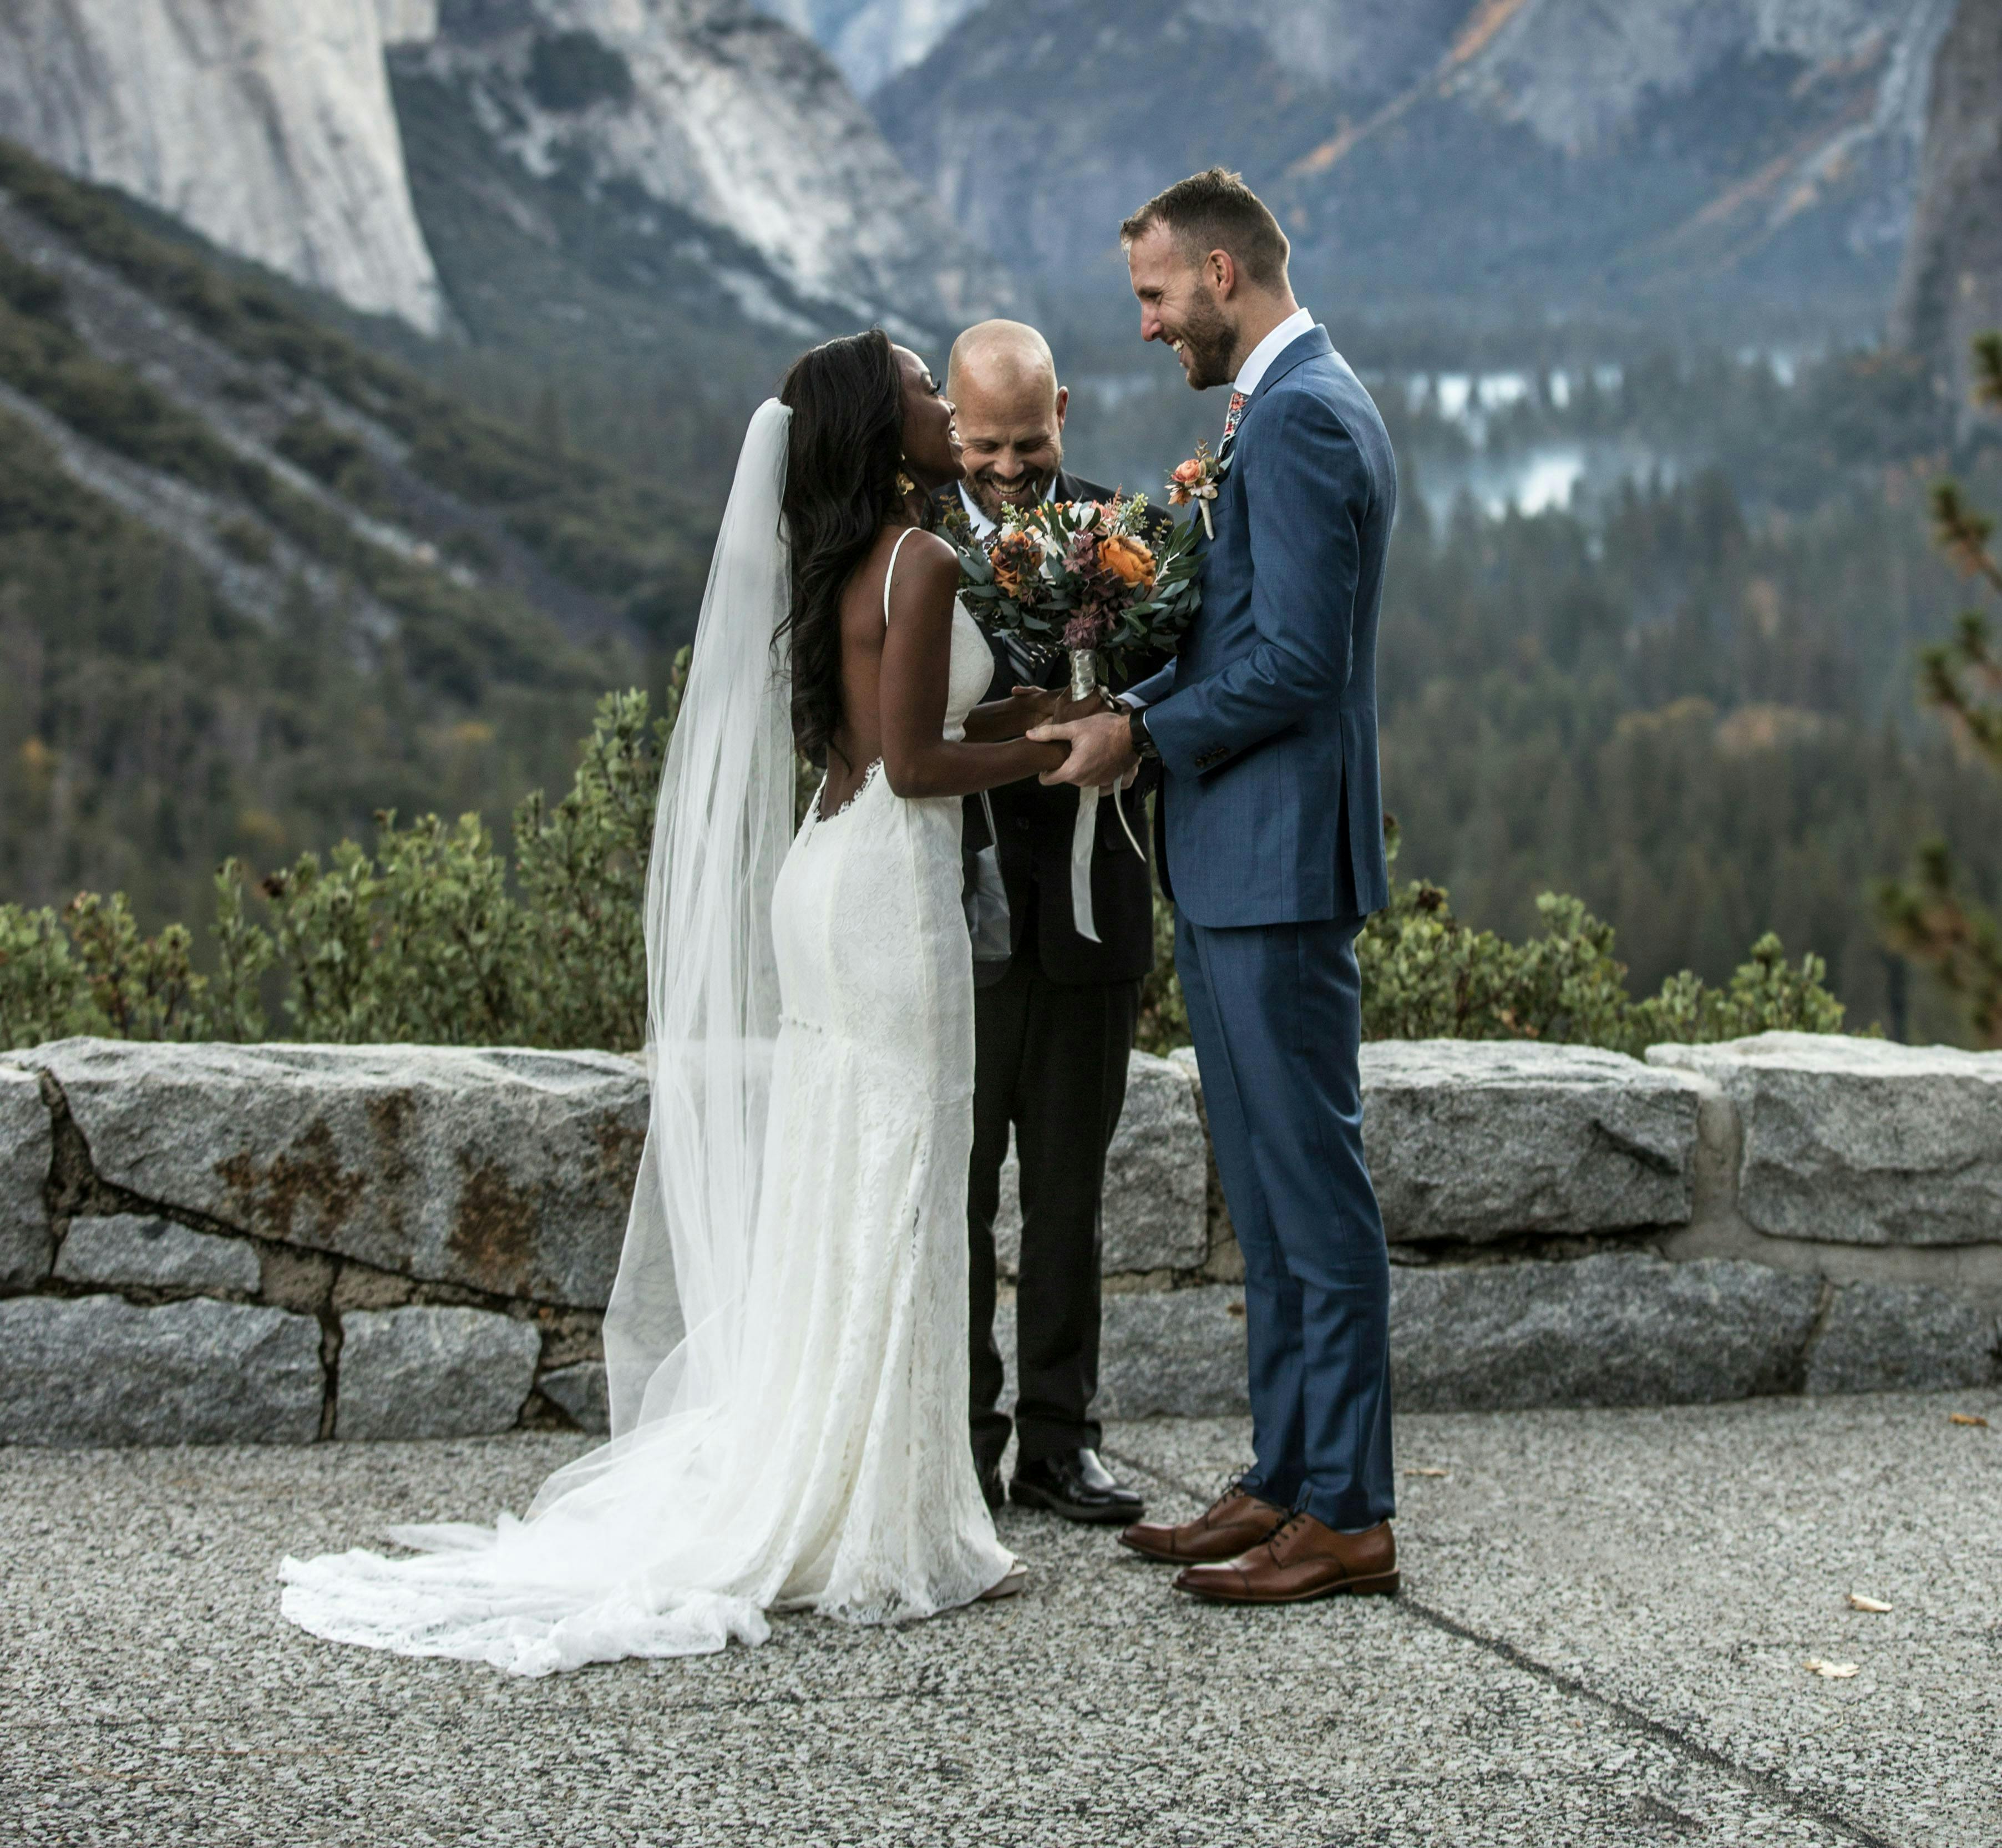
{"points": [[618, 1554], [720, 833]]}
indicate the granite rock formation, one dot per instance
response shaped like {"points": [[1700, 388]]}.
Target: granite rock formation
{"points": [[1529, 154], [1950, 287], [265, 124]]}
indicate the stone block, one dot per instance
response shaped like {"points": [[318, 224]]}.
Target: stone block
{"points": [[506, 1171], [1226, 1263], [581, 1390], [1155, 1179], [97, 1370], [1173, 1354], [426, 1372], [1860, 1142], [1477, 1140], [1163, 1354], [25, 1243], [1886, 1338], [133, 1249], [1619, 1328]]}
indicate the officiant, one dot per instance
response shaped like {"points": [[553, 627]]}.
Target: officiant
{"points": [[1053, 1033]]}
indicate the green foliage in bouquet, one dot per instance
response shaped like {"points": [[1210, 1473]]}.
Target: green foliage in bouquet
{"points": [[1083, 575]]}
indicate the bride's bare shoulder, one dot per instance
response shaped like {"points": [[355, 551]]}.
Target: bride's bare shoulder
{"points": [[927, 569]]}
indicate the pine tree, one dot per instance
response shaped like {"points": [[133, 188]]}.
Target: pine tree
{"points": [[1927, 916]]}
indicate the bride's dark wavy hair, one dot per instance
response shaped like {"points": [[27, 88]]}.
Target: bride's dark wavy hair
{"points": [[841, 461]]}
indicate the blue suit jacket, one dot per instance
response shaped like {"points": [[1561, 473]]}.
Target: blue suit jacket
{"points": [[1271, 802]]}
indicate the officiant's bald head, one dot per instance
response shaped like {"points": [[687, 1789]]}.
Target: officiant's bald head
{"points": [[1002, 381]]}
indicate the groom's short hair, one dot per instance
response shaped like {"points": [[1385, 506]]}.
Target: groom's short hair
{"points": [[1216, 210]]}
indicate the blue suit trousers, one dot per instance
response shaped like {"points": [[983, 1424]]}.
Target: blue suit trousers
{"points": [[1275, 1011]]}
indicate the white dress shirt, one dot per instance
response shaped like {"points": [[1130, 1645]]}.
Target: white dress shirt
{"points": [[1251, 375]]}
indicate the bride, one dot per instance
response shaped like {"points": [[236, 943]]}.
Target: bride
{"points": [[785, 1344]]}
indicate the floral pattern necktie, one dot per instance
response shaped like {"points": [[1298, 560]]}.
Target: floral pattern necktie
{"points": [[1238, 401]]}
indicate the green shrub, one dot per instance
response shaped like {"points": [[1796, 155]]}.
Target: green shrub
{"points": [[1427, 975], [434, 937], [42, 995], [91, 972]]}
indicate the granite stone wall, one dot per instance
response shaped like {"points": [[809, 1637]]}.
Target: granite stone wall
{"points": [[284, 1243]]}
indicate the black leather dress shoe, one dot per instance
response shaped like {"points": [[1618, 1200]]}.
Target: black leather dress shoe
{"points": [[990, 1486], [1075, 1484]]}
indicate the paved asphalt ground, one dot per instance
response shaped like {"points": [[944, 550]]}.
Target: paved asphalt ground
{"points": [[1602, 1640]]}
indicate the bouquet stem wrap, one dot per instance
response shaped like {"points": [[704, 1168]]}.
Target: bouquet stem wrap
{"points": [[1084, 831]]}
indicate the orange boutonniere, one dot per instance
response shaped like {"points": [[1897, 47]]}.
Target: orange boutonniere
{"points": [[1196, 480]]}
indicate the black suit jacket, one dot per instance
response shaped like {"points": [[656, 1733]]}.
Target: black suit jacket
{"points": [[1035, 822]]}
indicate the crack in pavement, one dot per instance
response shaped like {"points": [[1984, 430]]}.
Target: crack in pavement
{"points": [[1633, 1718]]}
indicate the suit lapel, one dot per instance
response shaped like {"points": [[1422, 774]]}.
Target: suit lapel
{"points": [[1314, 344]]}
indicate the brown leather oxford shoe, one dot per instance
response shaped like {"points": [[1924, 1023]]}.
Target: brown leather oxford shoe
{"points": [[1234, 1523], [1301, 1559]]}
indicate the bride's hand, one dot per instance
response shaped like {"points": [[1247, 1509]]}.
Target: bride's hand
{"points": [[1048, 706]]}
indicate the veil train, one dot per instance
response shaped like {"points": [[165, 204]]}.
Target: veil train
{"points": [[617, 1556]]}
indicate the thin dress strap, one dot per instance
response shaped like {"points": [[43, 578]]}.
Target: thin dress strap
{"points": [[890, 570]]}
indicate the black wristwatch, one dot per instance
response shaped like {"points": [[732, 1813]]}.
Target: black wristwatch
{"points": [[1144, 746]]}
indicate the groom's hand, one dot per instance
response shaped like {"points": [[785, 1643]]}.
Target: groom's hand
{"points": [[1101, 750]]}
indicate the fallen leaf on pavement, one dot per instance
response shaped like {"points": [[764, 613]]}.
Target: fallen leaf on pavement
{"points": [[1966, 1418], [1829, 1671], [1424, 1472], [1858, 1602]]}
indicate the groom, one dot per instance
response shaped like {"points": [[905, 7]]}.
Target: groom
{"points": [[1272, 849]]}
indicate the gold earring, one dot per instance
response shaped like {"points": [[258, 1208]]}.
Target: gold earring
{"points": [[906, 487]]}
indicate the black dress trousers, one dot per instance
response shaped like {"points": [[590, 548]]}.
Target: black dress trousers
{"points": [[1050, 1058]]}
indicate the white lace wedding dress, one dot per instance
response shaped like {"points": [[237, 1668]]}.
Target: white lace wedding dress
{"points": [[830, 1468]]}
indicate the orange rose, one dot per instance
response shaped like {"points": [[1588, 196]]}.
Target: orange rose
{"points": [[1017, 561], [1128, 559], [1189, 472]]}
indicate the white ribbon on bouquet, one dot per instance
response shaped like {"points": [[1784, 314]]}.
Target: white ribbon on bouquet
{"points": [[1083, 838]]}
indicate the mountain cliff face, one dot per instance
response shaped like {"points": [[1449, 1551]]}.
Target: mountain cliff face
{"points": [[1506, 155], [1950, 289], [704, 111], [703, 140], [265, 124]]}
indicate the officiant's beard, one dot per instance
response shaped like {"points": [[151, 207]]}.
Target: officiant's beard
{"points": [[1209, 339], [986, 492]]}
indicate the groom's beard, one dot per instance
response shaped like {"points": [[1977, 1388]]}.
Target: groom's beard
{"points": [[1211, 342]]}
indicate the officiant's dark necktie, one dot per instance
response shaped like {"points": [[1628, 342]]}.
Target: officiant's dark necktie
{"points": [[1238, 401]]}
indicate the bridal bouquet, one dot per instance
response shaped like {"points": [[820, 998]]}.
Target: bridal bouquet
{"points": [[1083, 575]]}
